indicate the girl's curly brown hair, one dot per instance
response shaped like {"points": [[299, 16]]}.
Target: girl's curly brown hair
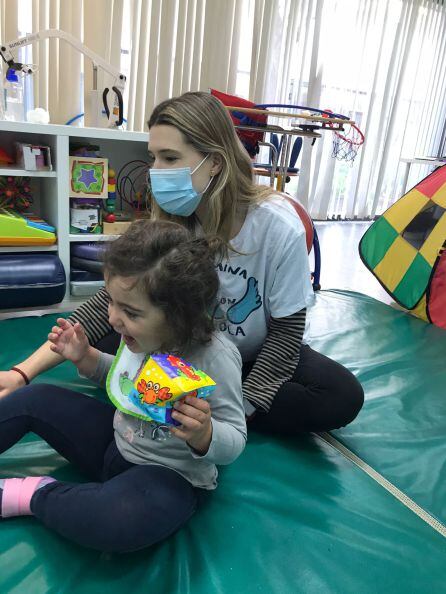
{"points": [[175, 271]]}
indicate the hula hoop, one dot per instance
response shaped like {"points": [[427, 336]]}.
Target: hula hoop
{"points": [[325, 118], [325, 112]]}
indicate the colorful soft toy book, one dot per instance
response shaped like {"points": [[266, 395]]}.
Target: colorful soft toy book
{"points": [[152, 389]]}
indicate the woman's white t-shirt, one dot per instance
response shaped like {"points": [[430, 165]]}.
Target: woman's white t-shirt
{"points": [[271, 278]]}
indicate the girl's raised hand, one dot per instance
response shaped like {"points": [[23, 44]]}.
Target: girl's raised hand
{"points": [[69, 340], [194, 414]]}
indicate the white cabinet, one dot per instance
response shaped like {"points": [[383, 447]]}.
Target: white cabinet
{"points": [[51, 188]]}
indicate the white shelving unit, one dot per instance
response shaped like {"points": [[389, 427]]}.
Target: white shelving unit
{"points": [[52, 187], [24, 172], [91, 237], [27, 248]]}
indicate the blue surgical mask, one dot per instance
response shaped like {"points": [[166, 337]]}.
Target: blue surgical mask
{"points": [[173, 189]]}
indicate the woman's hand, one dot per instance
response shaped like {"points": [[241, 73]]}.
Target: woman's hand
{"points": [[194, 414], [69, 341], [9, 382]]}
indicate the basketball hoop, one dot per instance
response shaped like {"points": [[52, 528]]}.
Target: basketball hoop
{"points": [[347, 143]]}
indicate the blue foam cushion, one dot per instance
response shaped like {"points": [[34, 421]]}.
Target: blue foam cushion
{"points": [[28, 280], [90, 265], [89, 251]]}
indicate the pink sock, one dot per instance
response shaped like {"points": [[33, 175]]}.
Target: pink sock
{"points": [[17, 494]]}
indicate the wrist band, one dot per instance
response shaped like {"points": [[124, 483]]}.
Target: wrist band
{"points": [[22, 373]]}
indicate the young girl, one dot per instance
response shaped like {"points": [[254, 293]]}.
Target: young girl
{"points": [[161, 285], [202, 177]]}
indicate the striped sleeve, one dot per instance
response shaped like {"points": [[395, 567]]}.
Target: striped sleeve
{"points": [[93, 317], [277, 360]]}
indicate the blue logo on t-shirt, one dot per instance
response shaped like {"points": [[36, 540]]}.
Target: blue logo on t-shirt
{"points": [[240, 311], [250, 301]]}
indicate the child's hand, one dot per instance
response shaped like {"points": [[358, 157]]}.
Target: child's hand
{"points": [[69, 341], [194, 414]]}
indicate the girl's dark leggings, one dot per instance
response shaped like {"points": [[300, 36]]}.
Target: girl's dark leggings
{"points": [[126, 507]]}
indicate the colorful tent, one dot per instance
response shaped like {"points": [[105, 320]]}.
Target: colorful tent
{"points": [[406, 249]]}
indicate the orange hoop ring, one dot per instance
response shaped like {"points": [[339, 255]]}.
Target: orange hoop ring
{"points": [[349, 140]]}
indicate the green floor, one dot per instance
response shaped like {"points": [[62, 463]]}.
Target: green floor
{"points": [[401, 362], [290, 516]]}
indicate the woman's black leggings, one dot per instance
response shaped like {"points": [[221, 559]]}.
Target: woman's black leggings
{"points": [[321, 395]]}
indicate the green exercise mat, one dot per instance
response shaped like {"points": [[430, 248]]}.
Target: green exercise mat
{"points": [[401, 363], [290, 516]]}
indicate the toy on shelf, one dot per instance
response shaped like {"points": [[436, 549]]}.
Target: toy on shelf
{"points": [[15, 193], [123, 220], [5, 159], [84, 150], [157, 384], [132, 186], [85, 216], [17, 229], [110, 203], [88, 177], [33, 157]]}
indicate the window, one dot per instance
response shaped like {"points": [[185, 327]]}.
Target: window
{"points": [[419, 229]]}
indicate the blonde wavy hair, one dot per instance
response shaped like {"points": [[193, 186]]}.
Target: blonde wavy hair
{"points": [[206, 125]]}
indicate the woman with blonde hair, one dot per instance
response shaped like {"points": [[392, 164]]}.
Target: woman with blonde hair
{"points": [[202, 177]]}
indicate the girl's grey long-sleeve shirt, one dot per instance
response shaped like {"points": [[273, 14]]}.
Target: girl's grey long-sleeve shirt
{"points": [[221, 360]]}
